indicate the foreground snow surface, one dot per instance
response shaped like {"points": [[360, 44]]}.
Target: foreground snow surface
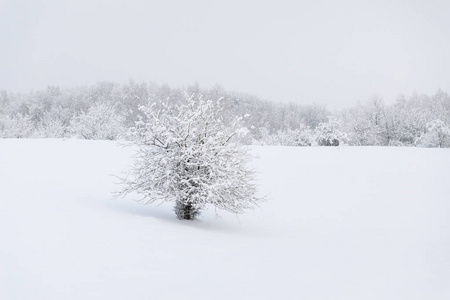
{"points": [[338, 223]]}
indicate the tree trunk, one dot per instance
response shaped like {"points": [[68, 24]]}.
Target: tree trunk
{"points": [[186, 211]]}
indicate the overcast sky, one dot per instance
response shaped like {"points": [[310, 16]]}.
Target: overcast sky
{"points": [[326, 52]]}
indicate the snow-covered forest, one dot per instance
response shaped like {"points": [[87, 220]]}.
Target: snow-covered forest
{"points": [[107, 110]]}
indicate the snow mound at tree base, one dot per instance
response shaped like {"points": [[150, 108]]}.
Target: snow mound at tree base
{"points": [[339, 223]]}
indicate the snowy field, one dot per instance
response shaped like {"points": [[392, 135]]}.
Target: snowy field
{"points": [[339, 223]]}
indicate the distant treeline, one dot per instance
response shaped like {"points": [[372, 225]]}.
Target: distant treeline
{"points": [[106, 110]]}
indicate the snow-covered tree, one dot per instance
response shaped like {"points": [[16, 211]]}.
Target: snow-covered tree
{"points": [[367, 124], [302, 137], [187, 156], [51, 127], [101, 122], [16, 126], [330, 133], [411, 116], [437, 135]]}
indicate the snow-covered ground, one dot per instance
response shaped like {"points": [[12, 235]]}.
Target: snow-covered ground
{"points": [[339, 223]]}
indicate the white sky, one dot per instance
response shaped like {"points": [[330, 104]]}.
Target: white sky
{"points": [[326, 52]]}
